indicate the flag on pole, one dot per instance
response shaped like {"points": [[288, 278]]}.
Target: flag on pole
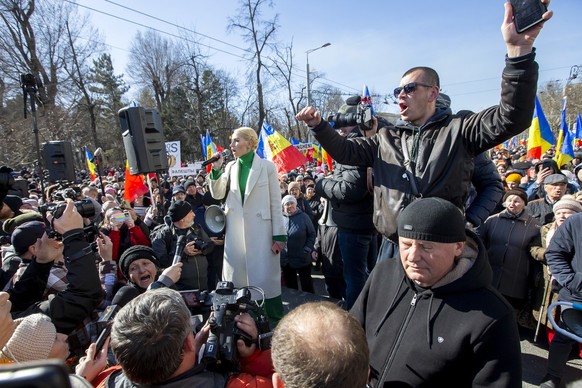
{"points": [[134, 185], [90, 164], [209, 149], [367, 99], [274, 147], [325, 158], [578, 126], [565, 146], [540, 137]]}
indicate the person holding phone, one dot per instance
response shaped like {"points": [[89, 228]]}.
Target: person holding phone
{"points": [[122, 226], [430, 150]]}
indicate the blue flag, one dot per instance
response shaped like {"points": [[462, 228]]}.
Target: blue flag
{"points": [[578, 126]]}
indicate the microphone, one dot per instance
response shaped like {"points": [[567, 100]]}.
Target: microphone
{"points": [[180, 244], [121, 298], [215, 157]]}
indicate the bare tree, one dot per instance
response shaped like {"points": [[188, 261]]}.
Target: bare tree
{"points": [[259, 33]]}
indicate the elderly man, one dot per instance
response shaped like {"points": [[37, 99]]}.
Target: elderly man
{"points": [[432, 317], [430, 151], [555, 186]]}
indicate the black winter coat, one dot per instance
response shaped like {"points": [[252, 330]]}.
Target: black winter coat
{"points": [[462, 333]]}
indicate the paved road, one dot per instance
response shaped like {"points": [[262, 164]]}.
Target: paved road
{"points": [[533, 356]]}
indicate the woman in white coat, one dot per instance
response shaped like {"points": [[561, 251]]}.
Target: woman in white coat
{"points": [[255, 233]]}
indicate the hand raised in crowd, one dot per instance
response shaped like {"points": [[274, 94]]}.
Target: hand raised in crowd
{"points": [[6, 323], [519, 44], [104, 247], [543, 174], [69, 220], [309, 115], [174, 272], [247, 324], [132, 214], [92, 364], [49, 250]]}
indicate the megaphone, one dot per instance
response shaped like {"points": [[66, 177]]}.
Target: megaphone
{"points": [[215, 219]]}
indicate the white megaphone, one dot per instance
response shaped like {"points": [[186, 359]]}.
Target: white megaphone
{"points": [[214, 218]]}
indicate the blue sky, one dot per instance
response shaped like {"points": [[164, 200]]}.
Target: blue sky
{"points": [[372, 42]]}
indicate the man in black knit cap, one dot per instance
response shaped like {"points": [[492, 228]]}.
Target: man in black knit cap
{"points": [[432, 317]]}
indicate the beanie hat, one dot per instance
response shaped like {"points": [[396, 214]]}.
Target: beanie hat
{"points": [[13, 202], [288, 198], [519, 192], [568, 202], [134, 253], [513, 176], [188, 184], [179, 210], [178, 189], [294, 185], [432, 219], [33, 339], [26, 235], [13, 223]]}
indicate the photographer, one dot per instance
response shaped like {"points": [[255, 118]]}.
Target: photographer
{"points": [[197, 246], [153, 342], [70, 307]]}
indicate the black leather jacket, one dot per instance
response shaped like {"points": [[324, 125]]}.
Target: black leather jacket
{"points": [[445, 146]]}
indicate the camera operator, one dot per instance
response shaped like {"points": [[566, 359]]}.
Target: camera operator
{"points": [[153, 342], [197, 246], [83, 294]]}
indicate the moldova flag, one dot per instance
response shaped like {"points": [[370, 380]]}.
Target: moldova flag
{"points": [[540, 138], [90, 164], [274, 147], [565, 140]]}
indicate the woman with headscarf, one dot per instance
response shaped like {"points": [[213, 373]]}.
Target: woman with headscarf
{"points": [[255, 233], [507, 237]]}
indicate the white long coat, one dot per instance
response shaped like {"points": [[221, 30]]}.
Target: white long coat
{"points": [[248, 259]]}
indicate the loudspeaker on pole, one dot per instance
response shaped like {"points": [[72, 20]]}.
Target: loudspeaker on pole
{"points": [[58, 160]]}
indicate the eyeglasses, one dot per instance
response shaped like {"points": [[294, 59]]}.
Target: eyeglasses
{"points": [[409, 88]]}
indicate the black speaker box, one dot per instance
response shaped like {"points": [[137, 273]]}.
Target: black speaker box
{"points": [[58, 160], [143, 139]]}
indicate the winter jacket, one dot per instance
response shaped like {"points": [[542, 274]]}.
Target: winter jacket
{"points": [[542, 210], [564, 257], [68, 308], [347, 191], [441, 150], [194, 268], [507, 238], [300, 240], [460, 333], [489, 190]]}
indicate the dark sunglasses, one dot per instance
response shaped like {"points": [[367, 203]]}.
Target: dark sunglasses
{"points": [[409, 88]]}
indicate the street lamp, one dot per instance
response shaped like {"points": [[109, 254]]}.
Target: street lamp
{"points": [[308, 80]]}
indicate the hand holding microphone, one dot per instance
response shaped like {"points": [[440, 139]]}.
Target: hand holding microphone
{"points": [[217, 159]]}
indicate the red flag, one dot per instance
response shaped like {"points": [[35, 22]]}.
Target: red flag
{"points": [[134, 185]]}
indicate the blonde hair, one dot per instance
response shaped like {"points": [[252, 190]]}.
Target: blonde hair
{"points": [[249, 135]]}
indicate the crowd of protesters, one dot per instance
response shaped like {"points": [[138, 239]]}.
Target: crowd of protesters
{"points": [[500, 239]]}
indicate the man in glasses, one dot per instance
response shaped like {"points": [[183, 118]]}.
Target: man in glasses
{"points": [[429, 152]]}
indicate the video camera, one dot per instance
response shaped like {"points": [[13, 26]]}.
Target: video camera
{"points": [[220, 353], [362, 116]]}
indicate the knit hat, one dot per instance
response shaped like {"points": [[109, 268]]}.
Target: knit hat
{"points": [[513, 176], [188, 184], [134, 253], [432, 219], [288, 198], [33, 339], [110, 190], [294, 185], [13, 202], [26, 235], [519, 192], [13, 223], [179, 210], [568, 202]]}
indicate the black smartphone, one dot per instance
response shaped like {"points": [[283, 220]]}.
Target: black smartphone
{"points": [[527, 13]]}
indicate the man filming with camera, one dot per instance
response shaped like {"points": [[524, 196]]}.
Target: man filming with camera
{"points": [[153, 342], [181, 238]]}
